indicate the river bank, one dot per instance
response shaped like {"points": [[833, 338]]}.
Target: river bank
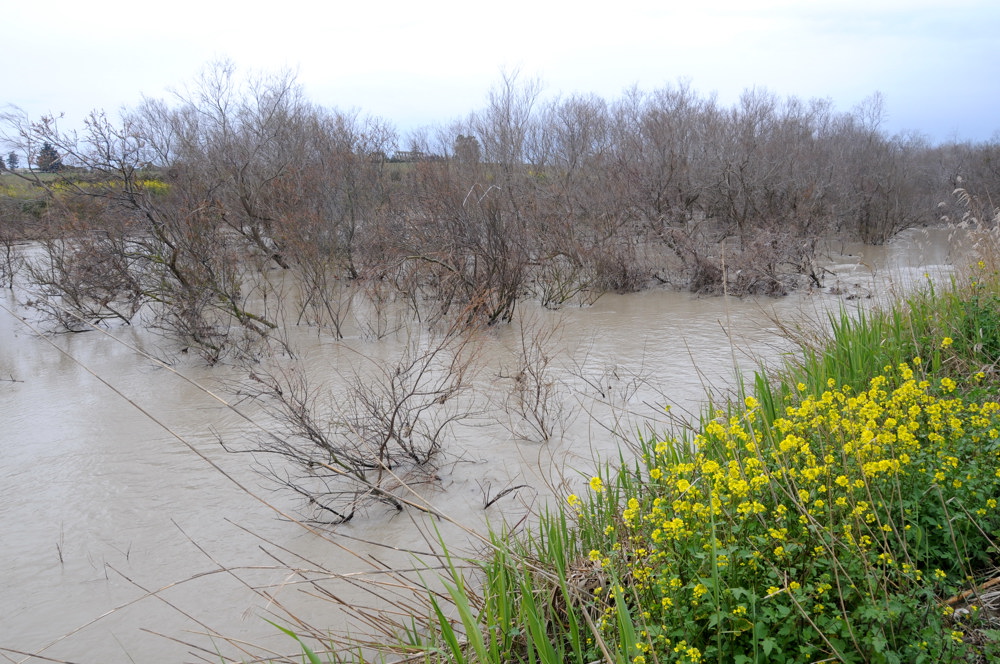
{"points": [[842, 509]]}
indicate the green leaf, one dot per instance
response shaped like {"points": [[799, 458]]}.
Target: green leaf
{"points": [[469, 620], [447, 631], [313, 657]]}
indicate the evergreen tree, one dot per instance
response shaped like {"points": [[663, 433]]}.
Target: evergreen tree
{"points": [[467, 149], [48, 160], [13, 161]]}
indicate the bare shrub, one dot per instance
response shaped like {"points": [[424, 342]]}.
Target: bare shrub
{"points": [[533, 402], [11, 259], [606, 392], [558, 280], [324, 297], [383, 428], [620, 264], [14, 230], [86, 278], [179, 203], [384, 315], [470, 250]]}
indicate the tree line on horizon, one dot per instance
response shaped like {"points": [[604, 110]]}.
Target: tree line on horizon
{"points": [[178, 207]]}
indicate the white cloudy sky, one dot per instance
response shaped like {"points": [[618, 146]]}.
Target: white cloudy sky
{"points": [[413, 63]]}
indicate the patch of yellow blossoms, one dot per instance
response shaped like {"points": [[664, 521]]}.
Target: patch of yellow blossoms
{"points": [[760, 502]]}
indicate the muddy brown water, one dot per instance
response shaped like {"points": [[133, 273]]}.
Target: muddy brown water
{"points": [[115, 533]]}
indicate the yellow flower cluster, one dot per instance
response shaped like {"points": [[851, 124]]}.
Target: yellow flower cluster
{"points": [[144, 184], [758, 501]]}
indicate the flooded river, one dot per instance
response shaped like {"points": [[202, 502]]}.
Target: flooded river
{"points": [[130, 534]]}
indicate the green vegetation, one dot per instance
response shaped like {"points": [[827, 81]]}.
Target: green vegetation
{"points": [[21, 199], [843, 512]]}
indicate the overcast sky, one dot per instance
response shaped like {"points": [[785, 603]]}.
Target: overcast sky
{"points": [[427, 63]]}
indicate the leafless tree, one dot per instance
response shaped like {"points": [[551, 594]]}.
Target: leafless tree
{"points": [[469, 248], [336, 197], [882, 191], [182, 211], [185, 196], [85, 278]]}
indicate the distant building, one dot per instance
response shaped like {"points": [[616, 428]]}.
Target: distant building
{"points": [[405, 156]]}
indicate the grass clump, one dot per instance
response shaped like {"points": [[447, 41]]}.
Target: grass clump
{"points": [[846, 512], [955, 332]]}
